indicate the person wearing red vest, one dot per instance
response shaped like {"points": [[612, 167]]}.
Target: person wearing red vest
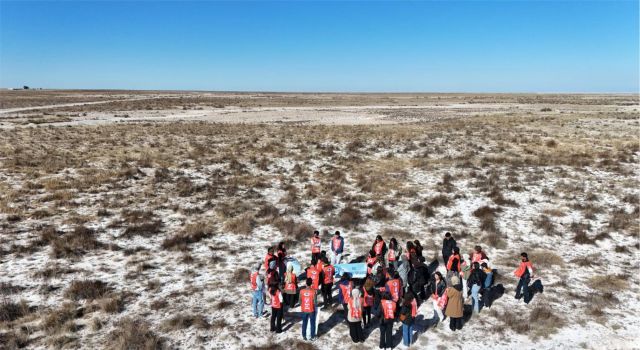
{"points": [[371, 260], [290, 287], [394, 253], [478, 255], [315, 276], [308, 302], [337, 247], [408, 313], [268, 258], [276, 308], [354, 316], [327, 282], [366, 306], [315, 246], [388, 314], [345, 287], [438, 297], [524, 273], [258, 289], [379, 246], [394, 287]]}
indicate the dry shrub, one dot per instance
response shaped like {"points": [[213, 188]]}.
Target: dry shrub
{"points": [[184, 321], [495, 240], [620, 220], [424, 210], [186, 188], [14, 339], [379, 212], [267, 211], [325, 205], [75, 243], [57, 319], [439, 201], [542, 322], [158, 304], [546, 225], [86, 289], [487, 216], [134, 334], [7, 288], [296, 231], [581, 237], [112, 303], [242, 225], [144, 229], [10, 311], [546, 258], [350, 217], [191, 234], [399, 234], [604, 283], [223, 304]]}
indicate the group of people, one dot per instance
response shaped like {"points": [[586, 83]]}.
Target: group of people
{"points": [[398, 281]]}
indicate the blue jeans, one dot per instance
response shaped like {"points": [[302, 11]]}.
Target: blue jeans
{"points": [[407, 332], [475, 289], [257, 304], [488, 280], [305, 318]]}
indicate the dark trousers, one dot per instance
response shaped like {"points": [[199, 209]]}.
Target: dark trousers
{"points": [[355, 331], [326, 293], [315, 257], [290, 300], [523, 286], [445, 257], [276, 320], [386, 334], [366, 315], [455, 323]]}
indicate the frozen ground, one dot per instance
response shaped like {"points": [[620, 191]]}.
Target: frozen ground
{"points": [[141, 234]]}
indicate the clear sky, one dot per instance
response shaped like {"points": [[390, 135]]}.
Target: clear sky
{"points": [[429, 46]]}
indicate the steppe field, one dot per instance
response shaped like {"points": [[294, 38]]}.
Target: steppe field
{"points": [[130, 220]]}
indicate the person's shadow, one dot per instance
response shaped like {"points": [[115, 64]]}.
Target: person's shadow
{"points": [[290, 319], [336, 317]]}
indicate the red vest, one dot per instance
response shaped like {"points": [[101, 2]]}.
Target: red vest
{"points": [[271, 277], [370, 261], [355, 312], [392, 255], [378, 247], [414, 308], [315, 277], [335, 242], [319, 265], [346, 291], [315, 245], [523, 267], [394, 289], [450, 262], [329, 270], [266, 261], [389, 308], [294, 283], [306, 300], [368, 299], [253, 277], [476, 257], [275, 300]]}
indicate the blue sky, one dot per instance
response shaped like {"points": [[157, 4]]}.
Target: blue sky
{"points": [[429, 46]]}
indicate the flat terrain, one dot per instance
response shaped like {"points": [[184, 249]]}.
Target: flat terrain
{"points": [[132, 218]]}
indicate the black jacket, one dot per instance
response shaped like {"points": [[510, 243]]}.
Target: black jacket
{"points": [[447, 246], [439, 288], [477, 276]]}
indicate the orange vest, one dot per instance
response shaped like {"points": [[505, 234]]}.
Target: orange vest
{"points": [[372, 261], [329, 270], [335, 242], [414, 308], [450, 262], [523, 267], [355, 312], [253, 277], [346, 291], [294, 283], [275, 301], [368, 299], [306, 300], [266, 261], [394, 289], [392, 255], [378, 247], [315, 245], [319, 265], [315, 277], [476, 257], [389, 308]]}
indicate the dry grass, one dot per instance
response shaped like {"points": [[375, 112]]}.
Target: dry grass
{"points": [[86, 289], [183, 321], [191, 234], [604, 283], [134, 334], [10, 311]]}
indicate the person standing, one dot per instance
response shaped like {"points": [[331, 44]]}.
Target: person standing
{"points": [[269, 258], [276, 308], [394, 287], [337, 247], [478, 255], [524, 273], [394, 253], [453, 264], [388, 315], [345, 287], [314, 274], [257, 286], [455, 304], [408, 314], [315, 246], [308, 304], [290, 287], [447, 246], [488, 272], [379, 246], [438, 296], [475, 281], [354, 316], [327, 283], [367, 304]]}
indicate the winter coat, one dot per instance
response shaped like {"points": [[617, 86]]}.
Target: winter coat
{"points": [[406, 311], [476, 277], [403, 270], [438, 288], [447, 246], [455, 304], [340, 247]]}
